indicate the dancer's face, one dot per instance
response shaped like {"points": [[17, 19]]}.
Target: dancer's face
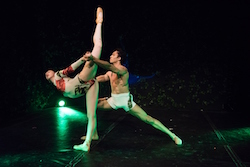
{"points": [[114, 57], [49, 74]]}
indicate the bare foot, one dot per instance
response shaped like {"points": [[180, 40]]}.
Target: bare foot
{"points": [[95, 137], [177, 140], [82, 147]]}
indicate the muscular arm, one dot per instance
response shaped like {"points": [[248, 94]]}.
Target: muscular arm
{"points": [[103, 78], [107, 66]]}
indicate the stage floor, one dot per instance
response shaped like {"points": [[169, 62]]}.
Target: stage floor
{"points": [[46, 138]]}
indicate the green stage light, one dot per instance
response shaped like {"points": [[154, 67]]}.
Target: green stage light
{"points": [[61, 103]]}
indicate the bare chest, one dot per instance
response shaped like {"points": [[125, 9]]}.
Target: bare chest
{"points": [[116, 80]]}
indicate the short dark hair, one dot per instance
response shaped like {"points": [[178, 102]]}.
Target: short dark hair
{"points": [[121, 53]]}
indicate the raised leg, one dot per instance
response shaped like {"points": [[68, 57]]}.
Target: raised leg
{"points": [[89, 70]]}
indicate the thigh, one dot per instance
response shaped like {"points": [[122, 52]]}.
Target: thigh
{"points": [[138, 112], [91, 99], [103, 104], [88, 72]]}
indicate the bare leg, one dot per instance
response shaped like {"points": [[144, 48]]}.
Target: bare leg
{"points": [[94, 137], [103, 105], [89, 70], [91, 103], [142, 115]]}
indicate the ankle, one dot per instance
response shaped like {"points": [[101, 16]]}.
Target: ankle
{"points": [[87, 143]]}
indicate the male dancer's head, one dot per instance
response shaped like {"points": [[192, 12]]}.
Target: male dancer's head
{"points": [[118, 56]]}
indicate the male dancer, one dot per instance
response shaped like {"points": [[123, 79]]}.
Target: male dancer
{"points": [[120, 96], [83, 83]]}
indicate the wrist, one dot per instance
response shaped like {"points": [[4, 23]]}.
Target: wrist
{"points": [[91, 57]]}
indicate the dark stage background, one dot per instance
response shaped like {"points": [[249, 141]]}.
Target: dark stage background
{"points": [[197, 49]]}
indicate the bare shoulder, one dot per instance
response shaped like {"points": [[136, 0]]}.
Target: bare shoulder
{"points": [[123, 71], [120, 70], [108, 73], [123, 68]]}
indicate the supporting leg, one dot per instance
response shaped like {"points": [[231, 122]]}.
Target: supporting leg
{"points": [[91, 103], [102, 105], [94, 137]]}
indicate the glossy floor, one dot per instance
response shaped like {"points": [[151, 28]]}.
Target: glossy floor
{"points": [[46, 139]]}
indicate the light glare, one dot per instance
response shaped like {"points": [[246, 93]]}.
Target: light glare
{"points": [[61, 103]]}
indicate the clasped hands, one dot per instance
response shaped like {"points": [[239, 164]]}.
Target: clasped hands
{"points": [[87, 56]]}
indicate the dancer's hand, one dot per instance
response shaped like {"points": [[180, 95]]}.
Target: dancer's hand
{"points": [[102, 98], [85, 57], [88, 56]]}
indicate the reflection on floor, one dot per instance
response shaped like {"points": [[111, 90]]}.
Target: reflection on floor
{"points": [[46, 139]]}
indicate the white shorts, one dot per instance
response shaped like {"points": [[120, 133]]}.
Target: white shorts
{"points": [[117, 101]]}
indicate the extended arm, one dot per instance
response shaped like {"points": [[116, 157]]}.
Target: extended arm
{"points": [[107, 66], [65, 72]]}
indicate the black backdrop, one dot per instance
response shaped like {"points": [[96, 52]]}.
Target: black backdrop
{"points": [[178, 40]]}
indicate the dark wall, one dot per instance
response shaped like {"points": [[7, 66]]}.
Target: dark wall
{"points": [[178, 40]]}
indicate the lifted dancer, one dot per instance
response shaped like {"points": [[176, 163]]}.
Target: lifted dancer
{"points": [[83, 83], [120, 96]]}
